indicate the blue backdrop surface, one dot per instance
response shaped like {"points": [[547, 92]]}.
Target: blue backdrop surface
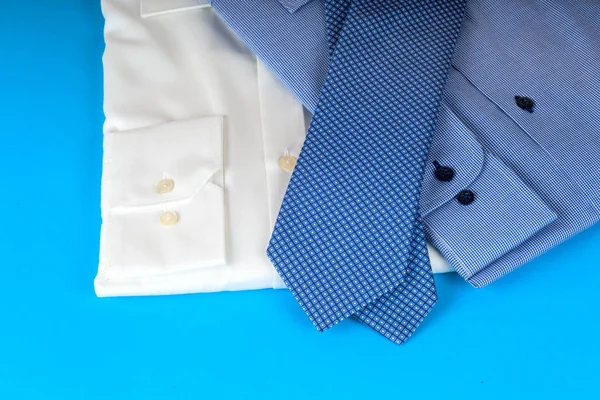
{"points": [[533, 334]]}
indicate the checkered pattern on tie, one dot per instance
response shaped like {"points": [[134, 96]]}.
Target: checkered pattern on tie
{"points": [[348, 240]]}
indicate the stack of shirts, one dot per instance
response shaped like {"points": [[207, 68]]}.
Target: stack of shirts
{"points": [[316, 145]]}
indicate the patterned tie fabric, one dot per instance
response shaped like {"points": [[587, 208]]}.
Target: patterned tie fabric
{"points": [[348, 240]]}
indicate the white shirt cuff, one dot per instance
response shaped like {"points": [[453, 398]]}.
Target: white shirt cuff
{"points": [[162, 200]]}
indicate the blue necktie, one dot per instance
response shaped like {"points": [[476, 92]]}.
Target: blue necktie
{"points": [[348, 240]]}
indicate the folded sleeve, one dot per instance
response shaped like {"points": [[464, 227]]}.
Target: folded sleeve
{"points": [[162, 199], [485, 210]]}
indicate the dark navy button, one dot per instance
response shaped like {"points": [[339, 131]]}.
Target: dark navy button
{"points": [[443, 173], [465, 197], [526, 103]]}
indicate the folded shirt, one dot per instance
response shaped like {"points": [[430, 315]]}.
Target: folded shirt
{"points": [[518, 124], [200, 139]]}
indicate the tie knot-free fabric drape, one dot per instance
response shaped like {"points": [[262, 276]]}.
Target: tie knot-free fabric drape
{"points": [[348, 239]]}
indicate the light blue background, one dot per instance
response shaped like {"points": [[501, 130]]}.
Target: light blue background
{"points": [[533, 334]]}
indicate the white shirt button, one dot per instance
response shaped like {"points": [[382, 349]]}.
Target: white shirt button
{"points": [[287, 163], [169, 218], [165, 186]]}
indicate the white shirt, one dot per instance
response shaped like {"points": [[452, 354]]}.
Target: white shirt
{"points": [[200, 141]]}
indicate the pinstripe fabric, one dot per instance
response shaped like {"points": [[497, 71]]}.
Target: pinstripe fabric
{"points": [[293, 5], [550, 52], [524, 161], [493, 189], [546, 161], [349, 239], [293, 45]]}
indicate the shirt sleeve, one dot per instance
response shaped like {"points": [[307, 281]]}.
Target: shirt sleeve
{"points": [[499, 213], [162, 199]]}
